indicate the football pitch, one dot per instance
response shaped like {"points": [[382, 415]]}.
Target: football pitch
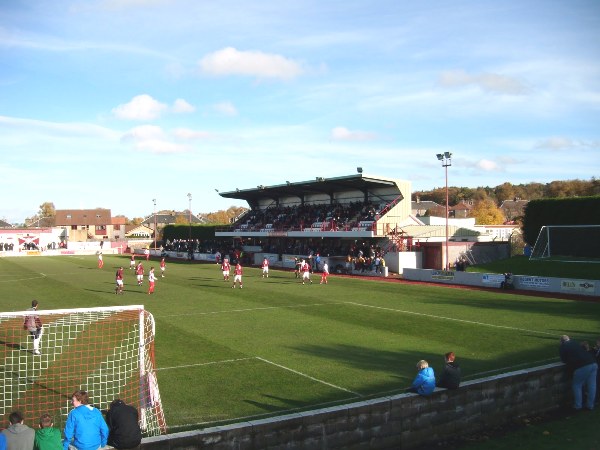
{"points": [[277, 346]]}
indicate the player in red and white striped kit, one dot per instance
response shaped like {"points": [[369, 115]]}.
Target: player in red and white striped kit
{"points": [[324, 274], [226, 268], [305, 269], [237, 275], [139, 273], [265, 268]]}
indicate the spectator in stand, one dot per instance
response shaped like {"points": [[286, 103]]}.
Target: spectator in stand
{"points": [[123, 425], [585, 371], [450, 378], [47, 437], [85, 425], [424, 382], [18, 436]]}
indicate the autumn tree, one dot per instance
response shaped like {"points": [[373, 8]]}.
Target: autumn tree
{"points": [[47, 209], [486, 212]]}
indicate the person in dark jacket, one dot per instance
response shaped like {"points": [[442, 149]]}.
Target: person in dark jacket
{"points": [[450, 378], [123, 425], [584, 368]]}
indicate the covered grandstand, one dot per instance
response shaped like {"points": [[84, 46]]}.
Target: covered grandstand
{"points": [[337, 217]]}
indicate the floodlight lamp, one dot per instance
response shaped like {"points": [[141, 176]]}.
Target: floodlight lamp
{"points": [[440, 156], [447, 155], [359, 170]]}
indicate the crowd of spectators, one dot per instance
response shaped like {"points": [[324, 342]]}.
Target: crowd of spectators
{"points": [[335, 216]]}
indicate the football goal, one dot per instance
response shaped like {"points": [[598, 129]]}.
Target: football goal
{"points": [[108, 352], [569, 243]]}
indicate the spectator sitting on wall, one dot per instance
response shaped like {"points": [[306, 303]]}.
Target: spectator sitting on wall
{"points": [[450, 378], [424, 382]]}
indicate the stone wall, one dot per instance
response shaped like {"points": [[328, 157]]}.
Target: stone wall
{"points": [[403, 421]]}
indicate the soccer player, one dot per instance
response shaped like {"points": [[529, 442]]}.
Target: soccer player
{"points": [[297, 267], [265, 268], [33, 324], [237, 275], [163, 267], [147, 253], [139, 272], [226, 268], [119, 280], [325, 273], [100, 261], [151, 280], [305, 269], [132, 261]]}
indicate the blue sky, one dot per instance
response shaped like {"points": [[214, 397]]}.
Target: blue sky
{"points": [[113, 103]]}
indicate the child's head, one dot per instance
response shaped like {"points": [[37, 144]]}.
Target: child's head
{"points": [[450, 357], [422, 365], [46, 421]]}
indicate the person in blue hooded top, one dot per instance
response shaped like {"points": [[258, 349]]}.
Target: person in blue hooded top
{"points": [[86, 428], [424, 382]]}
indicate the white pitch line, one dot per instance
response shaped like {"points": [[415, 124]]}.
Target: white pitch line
{"points": [[451, 318], [308, 376], [249, 309], [225, 361]]}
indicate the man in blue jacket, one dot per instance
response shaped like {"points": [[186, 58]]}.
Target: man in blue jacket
{"points": [[85, 425]]}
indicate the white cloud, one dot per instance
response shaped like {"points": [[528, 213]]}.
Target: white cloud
{"points": [[187, 134], [141, 107], [226, 109], [181, 106], [487, 165], [344, 134], [230, 61], [152, 139], [565, 143], [490, 82]]}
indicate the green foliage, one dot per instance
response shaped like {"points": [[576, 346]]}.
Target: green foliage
{"points": [[184, 231], [559, 211]]}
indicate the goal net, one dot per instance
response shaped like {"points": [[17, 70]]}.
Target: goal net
{"points": [[108, 352], [572, 243]]}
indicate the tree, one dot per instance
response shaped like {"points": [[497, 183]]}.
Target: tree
{"points": [[486, 212], [47, 209]]}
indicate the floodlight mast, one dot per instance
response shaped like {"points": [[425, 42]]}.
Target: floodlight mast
{"points": [[446, 159], [154, 201]]}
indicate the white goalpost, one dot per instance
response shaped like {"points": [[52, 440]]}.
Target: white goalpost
{"points": [[568, 243], [106, 351]]}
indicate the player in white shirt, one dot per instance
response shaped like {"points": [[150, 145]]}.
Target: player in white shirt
{"points": [[265, 268]]}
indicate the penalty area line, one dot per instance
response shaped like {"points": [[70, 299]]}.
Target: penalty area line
{"points": [[433, 316], [308, 376], [184, 366]]}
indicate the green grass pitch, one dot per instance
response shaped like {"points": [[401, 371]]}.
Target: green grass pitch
{"points": [[278, 346]]}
